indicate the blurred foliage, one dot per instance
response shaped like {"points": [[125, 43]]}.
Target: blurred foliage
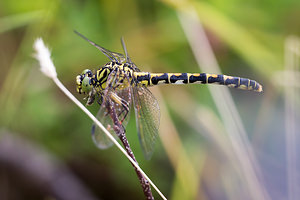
{"points": [[247, 38]]}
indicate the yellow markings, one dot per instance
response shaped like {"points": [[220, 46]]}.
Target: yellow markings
{"points": [[99, 75], [260, 89], [156, 74], [175, 74], [243, 87], [141, 74], [121, 67], [116, 98], [188, 77], [227, 77], [78, 80], [144, 82], [136, 74], [224, 79], [109, 65], [231, 85], [212, 75], [103, 85]]}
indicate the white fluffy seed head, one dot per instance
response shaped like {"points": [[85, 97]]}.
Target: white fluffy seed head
{"points": [[43, 55]]}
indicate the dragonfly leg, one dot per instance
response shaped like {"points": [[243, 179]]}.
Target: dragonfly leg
{"points": [[91, 97], [100, 99], [125, 111], [126, 104]]}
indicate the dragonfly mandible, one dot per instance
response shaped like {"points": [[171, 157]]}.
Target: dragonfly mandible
{"points": [[122, 83]]}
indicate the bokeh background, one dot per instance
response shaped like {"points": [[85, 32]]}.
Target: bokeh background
{"points": [[215, 143]]}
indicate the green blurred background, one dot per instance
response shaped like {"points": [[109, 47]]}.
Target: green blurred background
{"points": [[46, 151]]}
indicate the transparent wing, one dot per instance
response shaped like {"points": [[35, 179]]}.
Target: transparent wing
{"points": [[134, 67], [113, 56], [147, 115], [98, 136], [117, 94], [128, 60]]}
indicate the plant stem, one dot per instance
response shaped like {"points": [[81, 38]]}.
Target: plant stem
{"points": [[120, 131]]}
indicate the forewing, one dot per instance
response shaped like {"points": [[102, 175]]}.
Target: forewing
{"points": [[99, 137], [117, 94], [147, 115], [119, 91], [113, 56]]}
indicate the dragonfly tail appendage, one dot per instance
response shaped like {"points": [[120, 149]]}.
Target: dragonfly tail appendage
{"points": [[234, 82]]}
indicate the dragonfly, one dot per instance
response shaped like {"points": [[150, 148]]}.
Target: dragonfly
{"points": [[123, 84]]}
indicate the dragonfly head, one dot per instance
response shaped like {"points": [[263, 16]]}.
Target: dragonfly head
{"points": [[84, 81]]}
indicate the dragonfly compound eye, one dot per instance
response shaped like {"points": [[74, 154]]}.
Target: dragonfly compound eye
{"points": [[87, 72], [83, 81], [86, 84]]}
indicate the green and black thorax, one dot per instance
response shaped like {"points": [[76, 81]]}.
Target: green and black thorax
{"points": [[87, 80]]}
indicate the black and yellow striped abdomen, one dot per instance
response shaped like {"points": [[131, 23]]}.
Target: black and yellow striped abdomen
{"points": [[151, 79]]}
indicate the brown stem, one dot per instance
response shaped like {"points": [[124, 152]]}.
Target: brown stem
{"points": [[120, 131]]}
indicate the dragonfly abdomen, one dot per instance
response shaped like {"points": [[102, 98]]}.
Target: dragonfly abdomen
{"points": [[151, 79]]}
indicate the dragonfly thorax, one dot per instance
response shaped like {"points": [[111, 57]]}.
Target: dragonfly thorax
{"points": [[87, 80]]}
